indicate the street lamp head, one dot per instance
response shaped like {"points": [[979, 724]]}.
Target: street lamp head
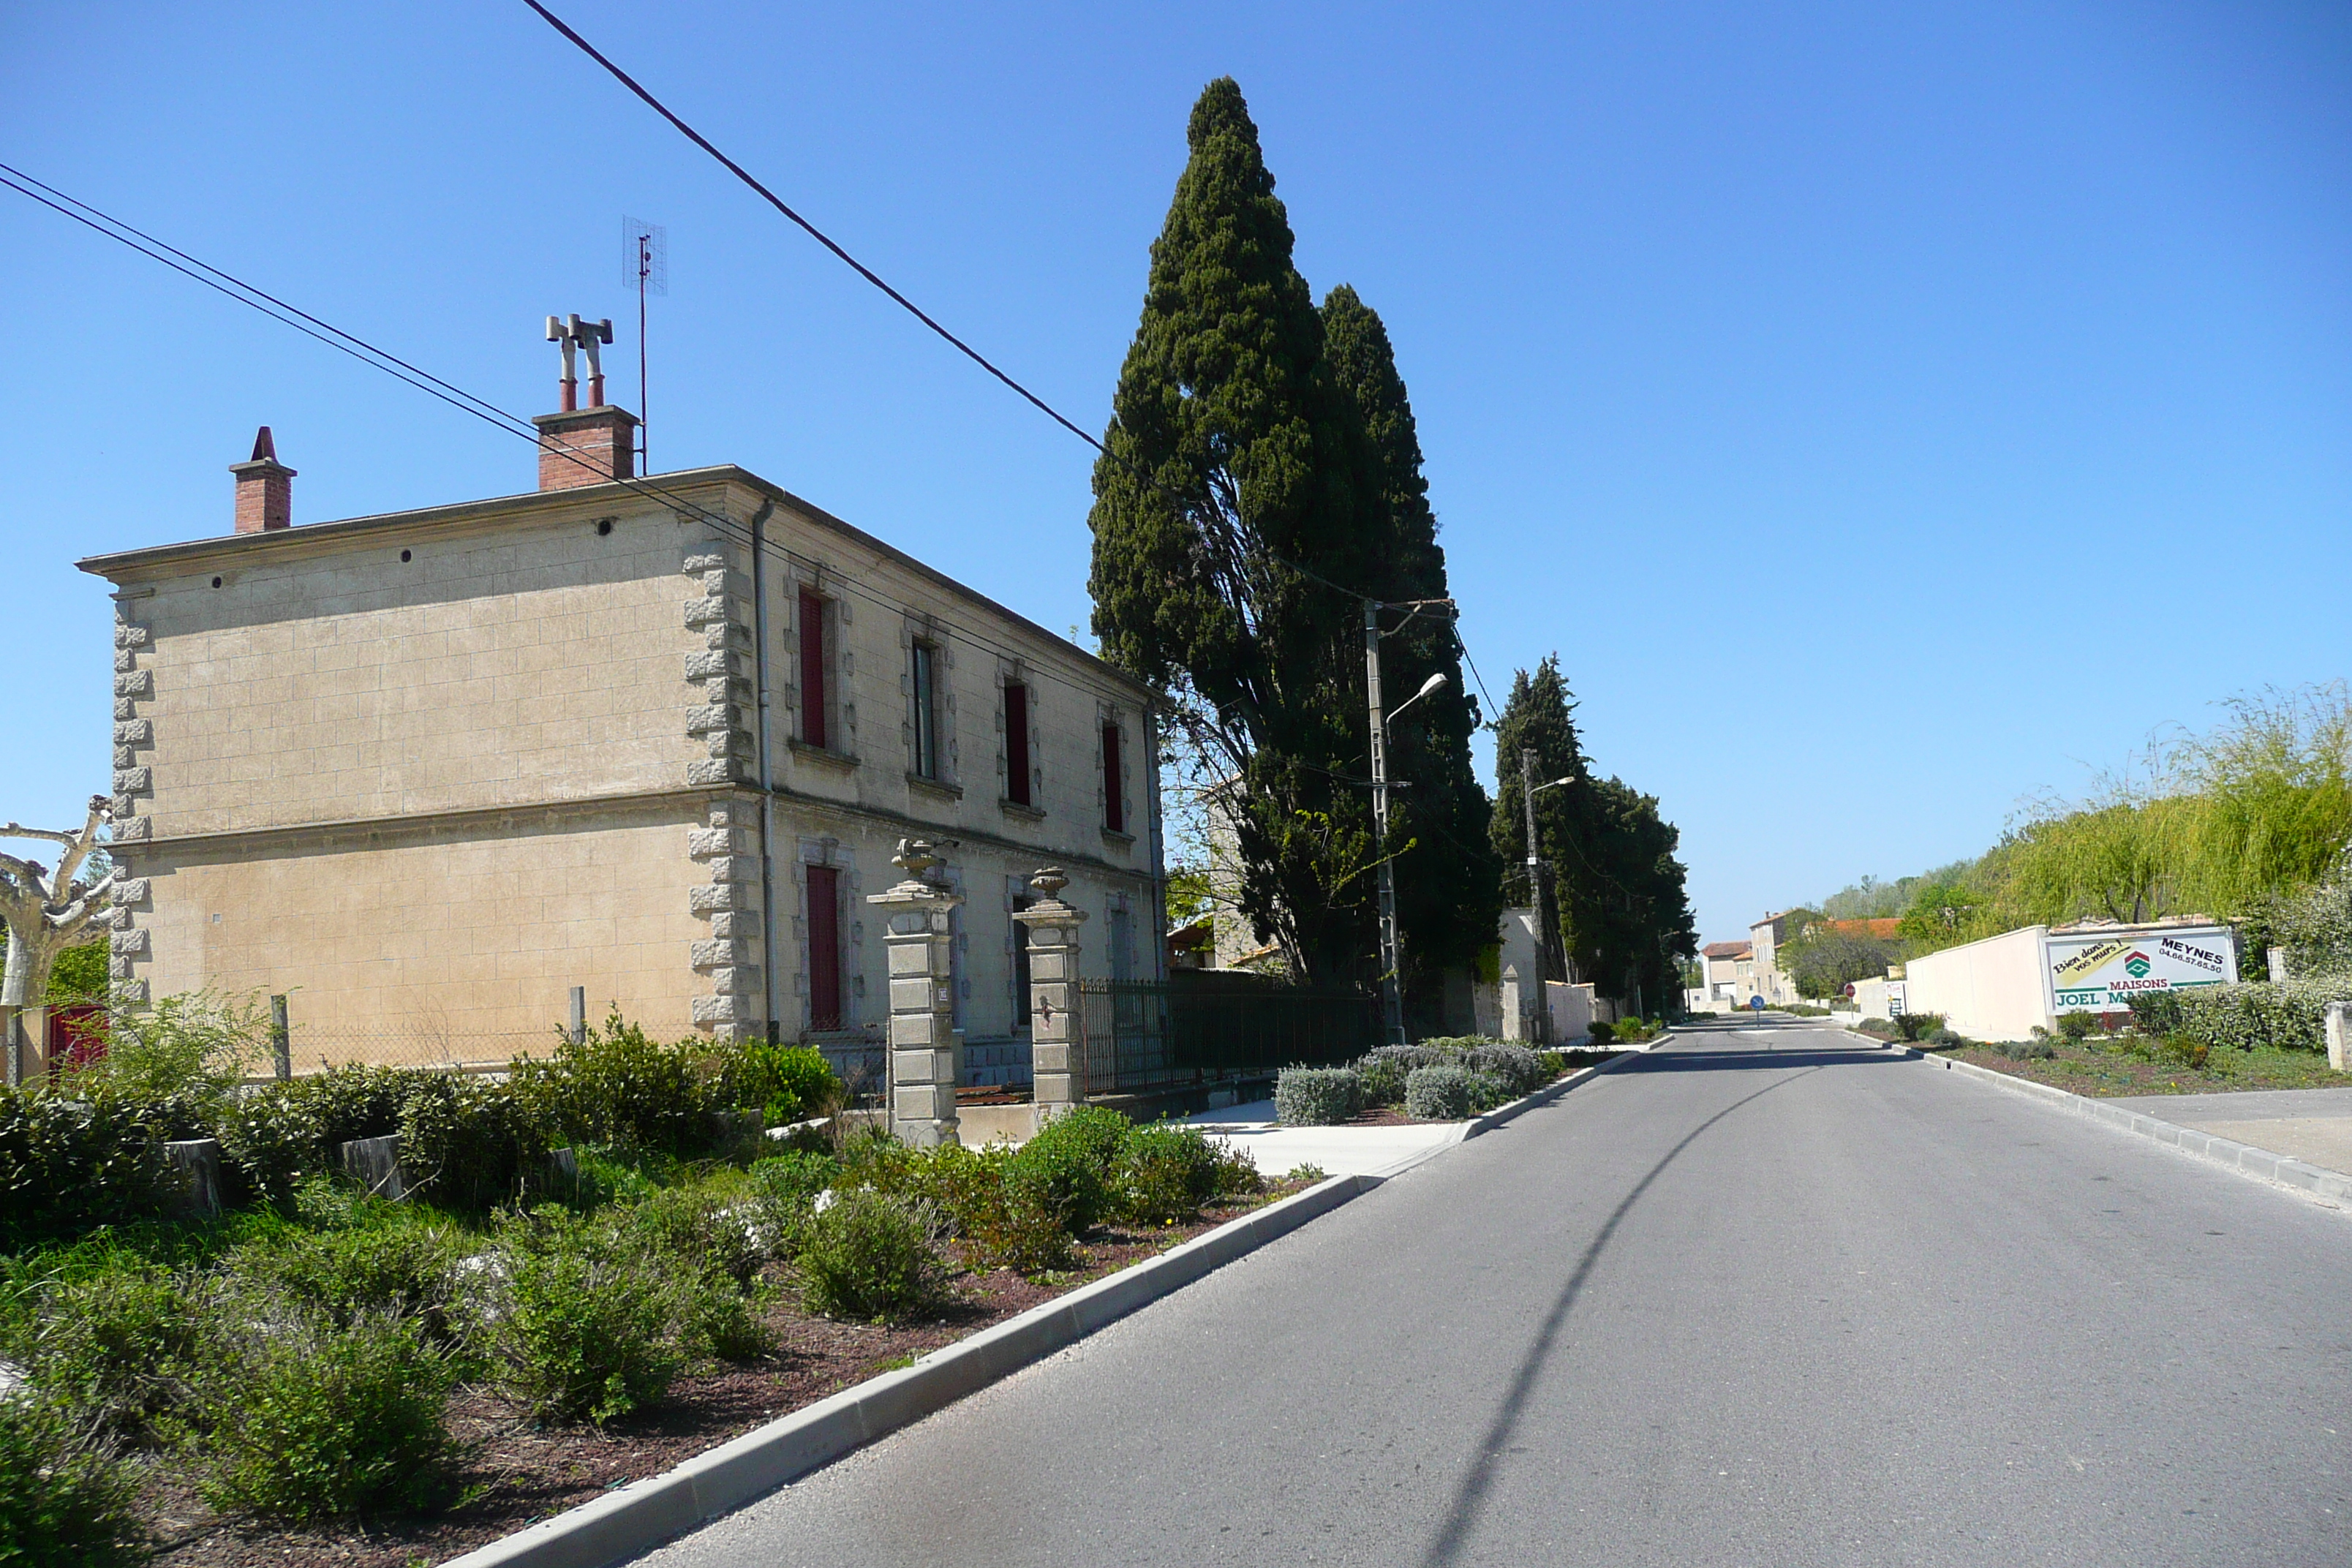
{"points": [[1433, 683]]}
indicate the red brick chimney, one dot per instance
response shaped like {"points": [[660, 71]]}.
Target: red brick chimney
{"points": [[589, 447], [265, 488]]}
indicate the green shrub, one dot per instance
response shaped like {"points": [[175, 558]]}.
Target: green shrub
{"points": [[1070, 1168], [1022, 1235], [341, 1277], [196, 1046], [304, 1419], [119, 1348], [588, 1325], [2186, 1049], [617, 1084], [1317, 1097], [2256, 1016], [1381, 1078], [2077, 1027], [64, 1500], [727, 1319], [1917, 1027], [1166, 1173], [783, 1190], [692, 1227], [789, 1083], [69, 1165], [2040, 1049], [1601, 1032], [1450, 1093], [469, 1143], [870, 1256]]}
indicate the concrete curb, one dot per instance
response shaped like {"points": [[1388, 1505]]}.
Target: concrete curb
{"points": [[645, 1513], [2244, 1159]]}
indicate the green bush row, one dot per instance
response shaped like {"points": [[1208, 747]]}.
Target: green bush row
{"points": [[1499, 1072], [90, 1152], [2253, 1015]]}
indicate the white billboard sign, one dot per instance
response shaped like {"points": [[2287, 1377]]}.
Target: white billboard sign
{"points": [[2098, 973]]}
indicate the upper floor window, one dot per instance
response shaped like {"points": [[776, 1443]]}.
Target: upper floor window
{"points": [[816, 682], [1016, 744], [1114, 801], [924, 687]]}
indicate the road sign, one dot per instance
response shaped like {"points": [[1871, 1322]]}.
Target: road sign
{"points": [[1756, 1004]]}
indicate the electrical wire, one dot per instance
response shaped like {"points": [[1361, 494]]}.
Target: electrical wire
{"points": [[774, 200], [264, 303]]}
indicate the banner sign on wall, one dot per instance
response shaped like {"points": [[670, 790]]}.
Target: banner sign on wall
{"points": [[2092, 972]]}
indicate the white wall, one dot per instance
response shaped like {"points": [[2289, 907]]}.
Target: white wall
{"points": [[1988, 989]]}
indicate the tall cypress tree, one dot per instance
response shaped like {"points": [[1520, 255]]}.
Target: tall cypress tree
{"points": [[1230, 459], [1617, 900], [1449, 892], [1539, 714]]}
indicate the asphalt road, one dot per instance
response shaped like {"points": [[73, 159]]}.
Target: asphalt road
{"points": [[1771, 1296]]}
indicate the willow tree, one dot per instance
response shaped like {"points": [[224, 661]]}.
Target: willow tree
{"points": [[1449, 881], [1231, 462]]}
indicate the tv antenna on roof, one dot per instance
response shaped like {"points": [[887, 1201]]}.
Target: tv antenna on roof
{"points": [[645, 267]]}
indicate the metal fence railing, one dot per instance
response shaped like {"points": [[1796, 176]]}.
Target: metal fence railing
{"points": [[1145, 1035]]}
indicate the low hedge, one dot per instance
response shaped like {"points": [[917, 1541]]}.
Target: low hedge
{"points": [[2288, 1016], [1450, 1093], [1317, 1097], [69, 1165]]}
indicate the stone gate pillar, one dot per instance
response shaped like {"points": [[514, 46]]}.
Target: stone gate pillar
{"points": [[1514, 1006], [924, 1067], [1056, 1026]]}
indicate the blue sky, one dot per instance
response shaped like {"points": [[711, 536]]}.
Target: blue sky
{"points": [[1886, 412]]}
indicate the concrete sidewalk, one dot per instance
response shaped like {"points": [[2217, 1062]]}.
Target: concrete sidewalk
{"points": [[2310, 1125], [1340, 1151]]}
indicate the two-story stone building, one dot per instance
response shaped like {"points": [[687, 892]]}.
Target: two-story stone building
{"points": [[656, 738]]}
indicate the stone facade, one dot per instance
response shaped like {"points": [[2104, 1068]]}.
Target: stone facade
{"points": [[427, 772]]}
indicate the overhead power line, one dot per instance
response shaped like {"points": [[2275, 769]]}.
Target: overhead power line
{"points": [[264, 303], [777, 202], [774, 200]]}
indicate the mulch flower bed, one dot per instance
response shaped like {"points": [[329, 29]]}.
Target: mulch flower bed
{"points": [[516, 1473], [2103, 1073]]}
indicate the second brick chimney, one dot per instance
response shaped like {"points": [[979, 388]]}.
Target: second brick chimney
{"points": [[265, 488], [587, 447]]}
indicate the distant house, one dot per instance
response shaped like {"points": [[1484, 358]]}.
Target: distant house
{"points": [[1727, 971], [656, 739]]}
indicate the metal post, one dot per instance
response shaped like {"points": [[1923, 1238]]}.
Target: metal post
{"points": [[1392, 995], [579, 1014], [1536, 896], [281, 1039]]}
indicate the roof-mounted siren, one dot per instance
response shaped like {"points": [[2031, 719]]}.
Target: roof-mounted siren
{"points": [[575, 334]]}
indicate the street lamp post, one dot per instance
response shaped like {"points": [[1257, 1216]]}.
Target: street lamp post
{"points": [[1528, 790], [1391, 960]]}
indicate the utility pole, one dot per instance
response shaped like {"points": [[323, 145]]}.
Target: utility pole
{"points": [[1536, 896], [1391, 963]]}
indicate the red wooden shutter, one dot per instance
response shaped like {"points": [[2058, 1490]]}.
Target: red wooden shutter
{"points": [[1016, 744], [813, 687], [824, 947]]}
